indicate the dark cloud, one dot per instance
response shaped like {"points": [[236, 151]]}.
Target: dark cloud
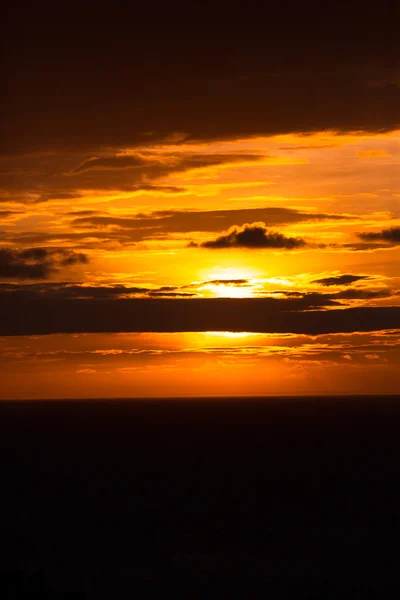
{"points": [[98, 163], [367, 246], [8, 213], [159, 294], [153, 166], [184, 221], [60, 177], [27, 194], [14, 265], [157, 189], [230, 282], [138, 227], [61, 291], [33, 195], [390, 236], [45, 197], [340, 279], [36, 263], [316, 299], [169, 290], [358, 294], [82, 213], [72, 258], [254, 236], [209, 72], [55, 310]]}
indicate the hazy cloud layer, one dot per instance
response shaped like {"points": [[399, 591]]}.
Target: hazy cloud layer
{"points": [[143, 226], [69, 176], [154, 166]]}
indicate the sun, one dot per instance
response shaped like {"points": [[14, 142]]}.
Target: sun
{"points": [[230, 282], [228, 291]]}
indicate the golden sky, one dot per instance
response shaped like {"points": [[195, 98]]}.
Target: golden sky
{"points": [[169, 247]]}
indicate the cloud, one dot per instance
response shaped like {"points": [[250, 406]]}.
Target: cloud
{"points": [[68, 176], [373, 154], [391, 236], [154, 166], [156, 189], [157, 293], [254, 235], [233, 282], [55, 195], [315, 299], [82, 213], [53, 310], [36, 263], [108, 163], [71, 291], [178, 291], [8, 213], [128, 229], [340, 279], [26, 194], [299, 300], [361, 294], [208, 99], [198, 83], [182, 221]]}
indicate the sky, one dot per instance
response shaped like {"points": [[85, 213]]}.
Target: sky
{"points": [[199, 200]]}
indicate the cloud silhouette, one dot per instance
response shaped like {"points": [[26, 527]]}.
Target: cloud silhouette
{"points": [[391, 236], [230, 282], [54, 309], [36, 263], [153, 166], [340, 279], [254, 235]]}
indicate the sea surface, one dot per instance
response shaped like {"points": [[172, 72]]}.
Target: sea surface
{"points": [[252, 497]]}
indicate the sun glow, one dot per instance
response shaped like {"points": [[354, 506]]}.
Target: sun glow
{"points": [[228, 290], [231, 334], [230, 282]]}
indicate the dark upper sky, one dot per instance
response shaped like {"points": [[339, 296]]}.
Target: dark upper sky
{"points": [[80, 77]]}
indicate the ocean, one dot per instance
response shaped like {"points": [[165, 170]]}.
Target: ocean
{"points": [[281, 497]]}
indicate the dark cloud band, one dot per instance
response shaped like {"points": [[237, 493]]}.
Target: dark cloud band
{"points": [[26, 312]]}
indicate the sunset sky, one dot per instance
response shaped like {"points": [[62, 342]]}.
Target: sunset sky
{"points": [[200, 202]]}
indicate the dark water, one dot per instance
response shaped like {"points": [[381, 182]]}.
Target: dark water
{"points": [[277, 497]]}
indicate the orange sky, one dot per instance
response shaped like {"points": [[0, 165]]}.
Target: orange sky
{"points": [[327, 192], [199, 207]]}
